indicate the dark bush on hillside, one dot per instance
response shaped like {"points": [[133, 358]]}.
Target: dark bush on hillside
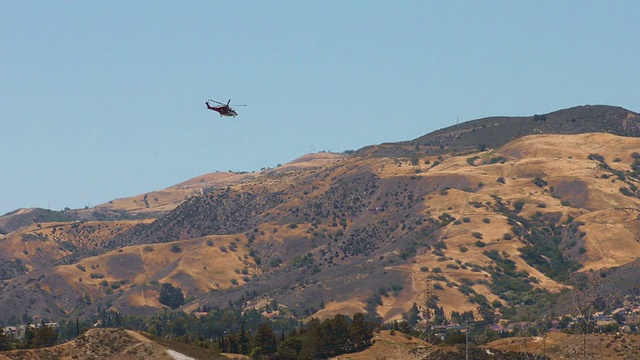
{"points": [[171, 296]]}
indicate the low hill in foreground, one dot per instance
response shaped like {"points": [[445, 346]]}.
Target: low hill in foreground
{"points": [[120, 344], [558, 346], [115, 344]]}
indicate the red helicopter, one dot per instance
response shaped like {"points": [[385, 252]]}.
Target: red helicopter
{"points": [[223, 109]]}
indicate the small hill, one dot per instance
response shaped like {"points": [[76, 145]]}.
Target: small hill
{"points": [[565, 346], [115, 344], [22, 218]]}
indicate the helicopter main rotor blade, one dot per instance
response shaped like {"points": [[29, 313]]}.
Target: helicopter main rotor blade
{"points": [[217, 102]]}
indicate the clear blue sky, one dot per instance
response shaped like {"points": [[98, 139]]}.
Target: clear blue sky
{"points": [[105, 99]]}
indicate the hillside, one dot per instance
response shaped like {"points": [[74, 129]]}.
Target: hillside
{"points": [[115, 344], [496, 230]]}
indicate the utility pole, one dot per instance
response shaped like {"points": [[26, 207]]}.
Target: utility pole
{"points": [[466, 339], [428, 314]]}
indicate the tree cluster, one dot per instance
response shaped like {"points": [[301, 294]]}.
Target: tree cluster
{"points": [[316, 339]]}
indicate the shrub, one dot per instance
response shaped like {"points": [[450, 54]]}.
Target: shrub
{"points": [[209, 242], [625, 191], [175, 248], [467, 281], [540, 182], [463, 249], [477, 235], [480, 243], [445, 219], [424, 269], [486, 220], [500, 180], [148, 248], [275, 262], [596, 157], [518, 205]]}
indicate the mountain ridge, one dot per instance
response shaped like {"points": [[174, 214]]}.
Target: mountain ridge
{"points": [[373, 233]]}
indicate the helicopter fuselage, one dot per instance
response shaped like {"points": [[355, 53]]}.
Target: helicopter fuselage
{"points": [[223, 110]]}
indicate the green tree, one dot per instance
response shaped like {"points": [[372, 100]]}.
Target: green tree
{"points": [[243, 339], [44, 336], [412, 316], [361, 330], [311, 341], [5, 343], [289, 348], [171, 296], [265, 339]]}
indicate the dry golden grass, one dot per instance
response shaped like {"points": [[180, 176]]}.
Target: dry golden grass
{"points": [[41, 245], [334, 308], [390, 347], [198, 267], [564, 346]]}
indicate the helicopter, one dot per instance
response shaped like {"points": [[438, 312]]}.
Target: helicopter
{"points": [[223, 109]]}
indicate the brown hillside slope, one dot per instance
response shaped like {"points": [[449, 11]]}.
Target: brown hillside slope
{"points": [[44, 245]]}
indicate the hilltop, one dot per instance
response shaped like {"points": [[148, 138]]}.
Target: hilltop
{"points": [[493, 132], [496, 217]]}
